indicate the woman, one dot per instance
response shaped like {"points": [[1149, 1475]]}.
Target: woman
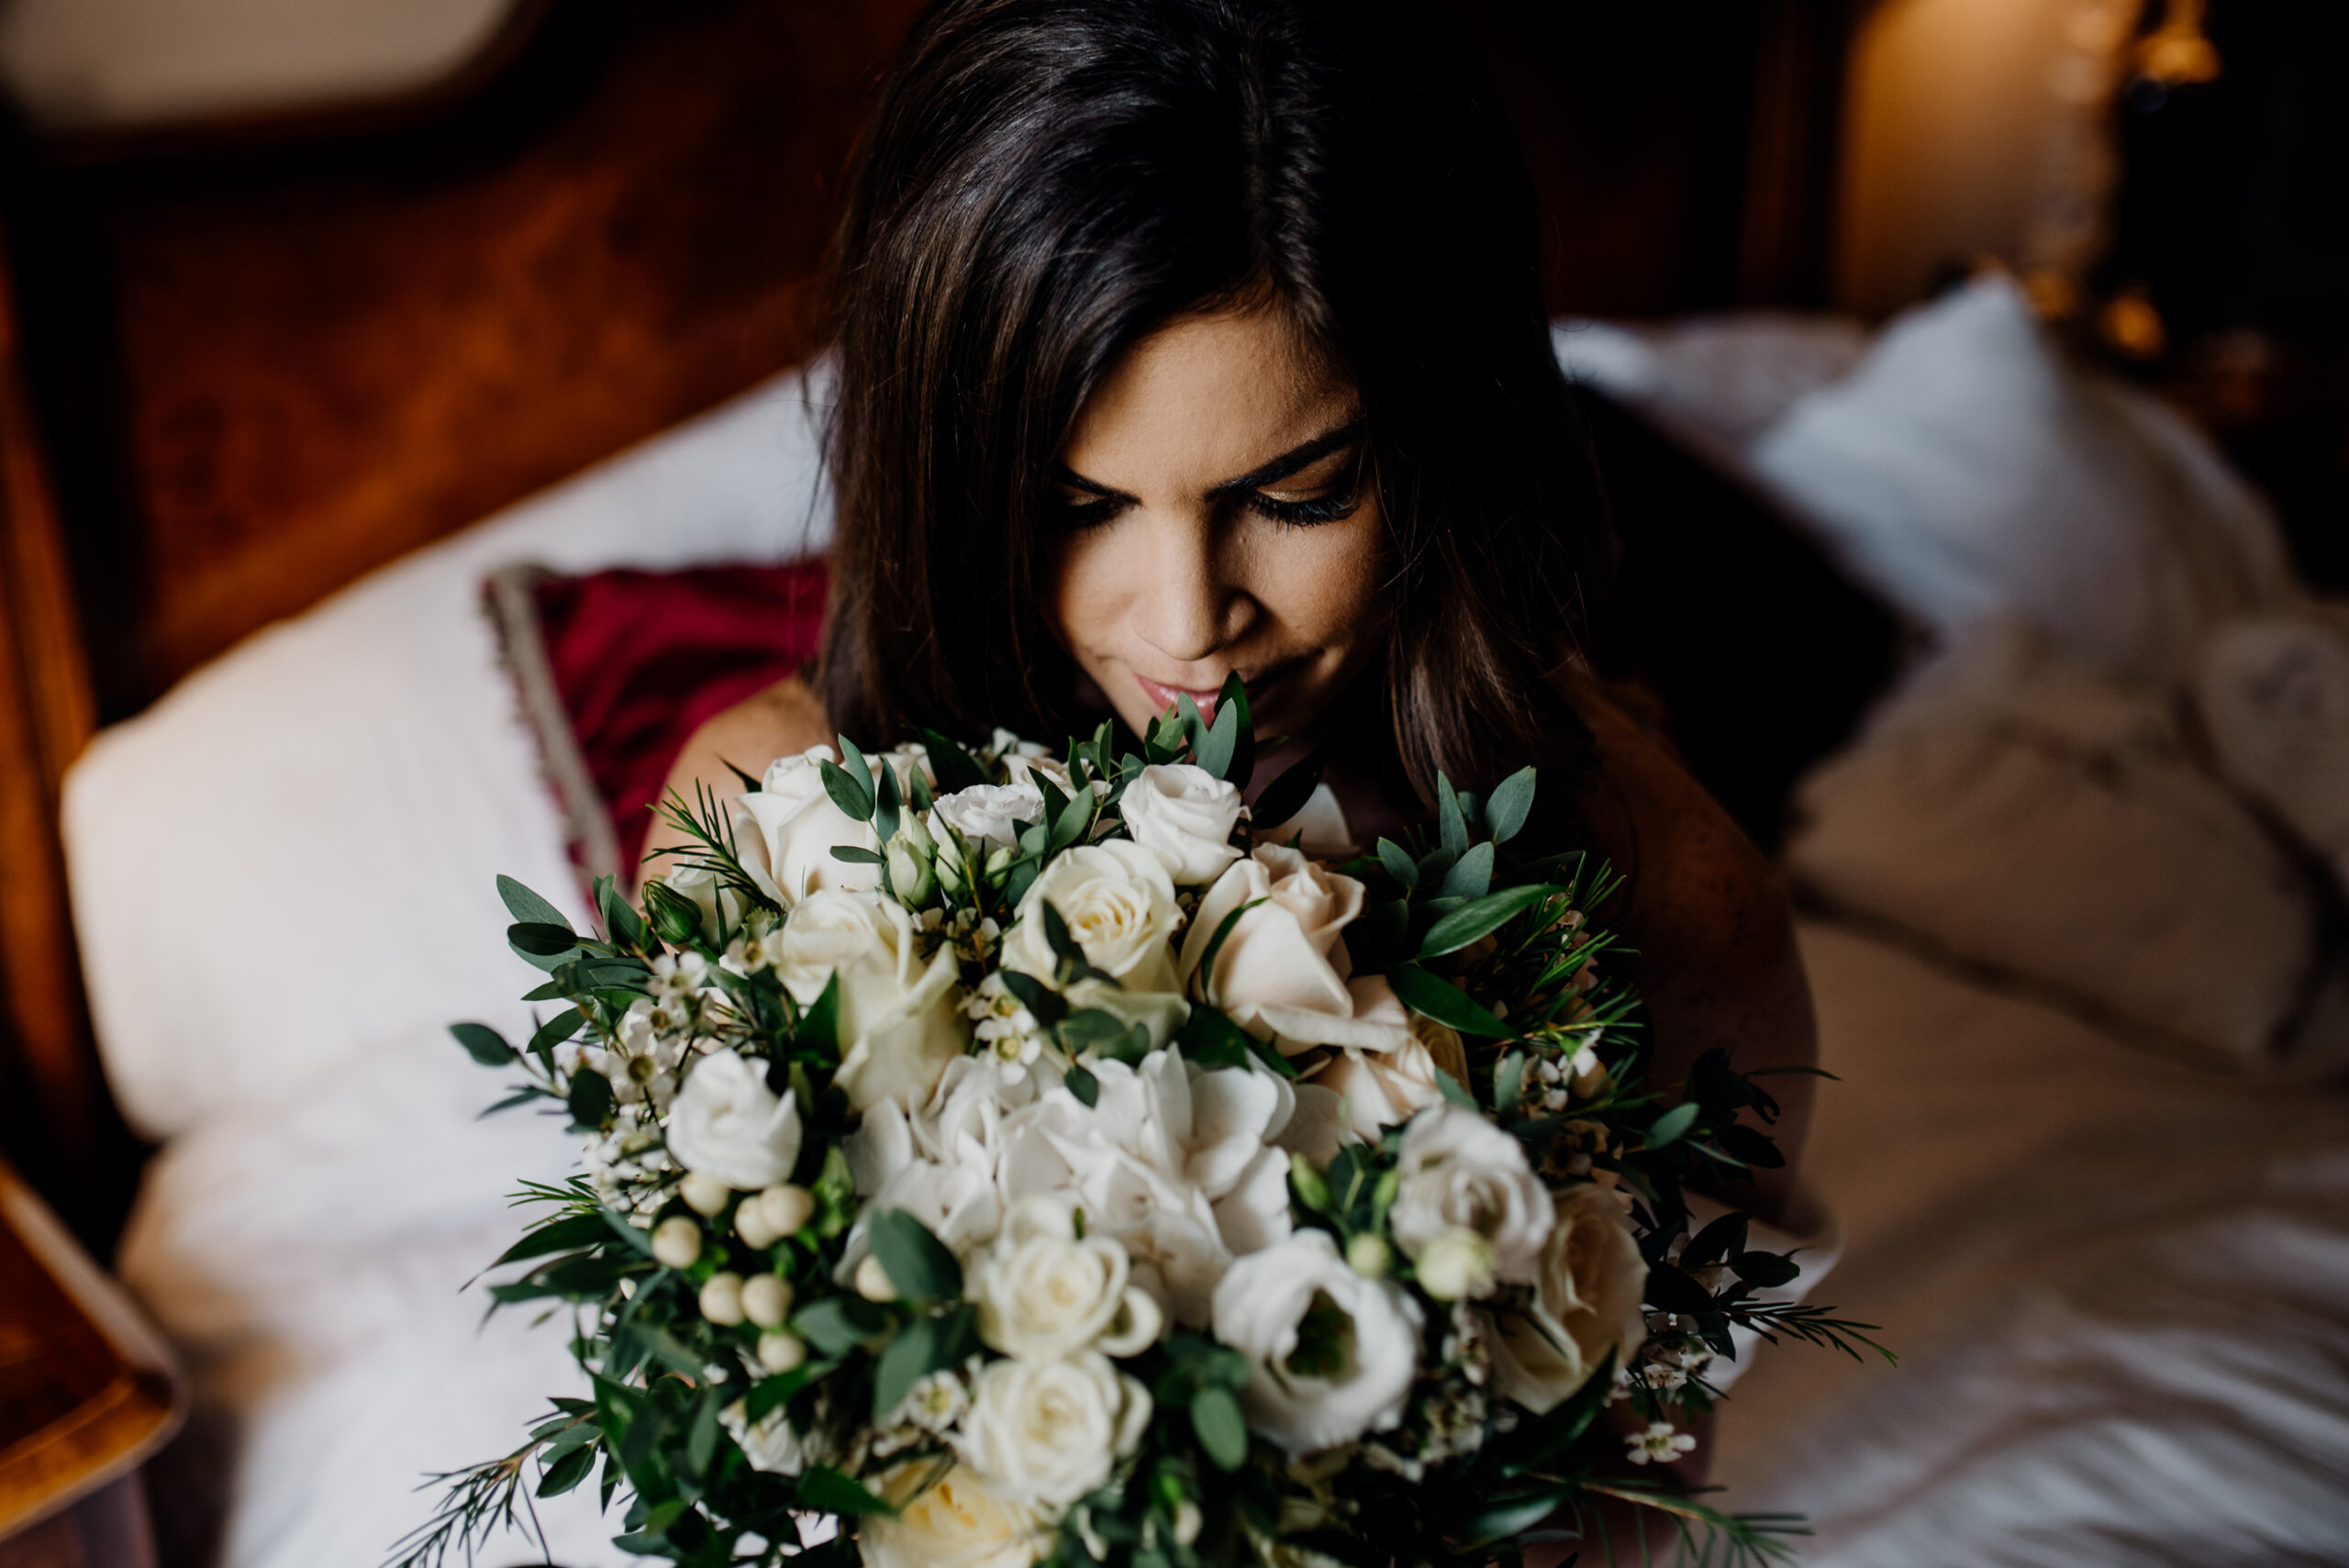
{"points": [[1180, 339]]}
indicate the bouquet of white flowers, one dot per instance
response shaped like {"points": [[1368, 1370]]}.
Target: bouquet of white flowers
{"points": [[998, 1159]]}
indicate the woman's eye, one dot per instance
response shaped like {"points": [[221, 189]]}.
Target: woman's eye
{"points": [[1080, 510]]}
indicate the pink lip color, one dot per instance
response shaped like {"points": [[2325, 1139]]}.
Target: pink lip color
{"points": [[1164, 697]]}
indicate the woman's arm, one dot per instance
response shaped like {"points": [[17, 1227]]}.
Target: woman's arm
{"points": [[1707, 918], [780, 721]]}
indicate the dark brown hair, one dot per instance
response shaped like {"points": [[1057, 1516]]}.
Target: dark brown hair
{"points": [[1045, 182]]}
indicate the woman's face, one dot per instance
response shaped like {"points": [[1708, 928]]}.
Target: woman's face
{"points": [[1219, 521]]}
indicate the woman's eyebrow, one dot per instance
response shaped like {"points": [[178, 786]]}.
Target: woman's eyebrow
{"points": [[1291, 461]]}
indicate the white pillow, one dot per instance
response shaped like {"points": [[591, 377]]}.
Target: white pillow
{"points": [[2018, 811], [292, 855], [1965, 472]]}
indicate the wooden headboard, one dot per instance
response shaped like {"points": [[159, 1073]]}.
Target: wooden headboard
{"points": [[247, 361]]}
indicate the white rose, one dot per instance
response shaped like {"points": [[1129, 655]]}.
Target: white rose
{"points": [[1045, 1433], [787, 829], [1117, 903], [1042, 1293], [1333, 1352], [1586, 1301], [956, 1522], [900, 1019], [990, 815], [1458, 1169], [1186, 814], [727, 1124], [1282, 972]]}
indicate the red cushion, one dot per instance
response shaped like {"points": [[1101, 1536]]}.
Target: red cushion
{"points": [[640, 659]]}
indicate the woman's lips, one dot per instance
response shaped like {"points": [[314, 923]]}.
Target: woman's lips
{"points": [[1162, 697]]}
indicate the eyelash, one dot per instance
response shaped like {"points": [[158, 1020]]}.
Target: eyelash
{"points": [[1327, 508], [1333, 507]]}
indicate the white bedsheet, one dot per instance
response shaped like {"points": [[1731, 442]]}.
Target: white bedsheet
{"points": [[2120, 1288]]}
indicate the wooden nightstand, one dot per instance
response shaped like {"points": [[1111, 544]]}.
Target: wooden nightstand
{"points": [[87, 1392]]}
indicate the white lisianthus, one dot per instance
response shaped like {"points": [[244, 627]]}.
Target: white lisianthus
{"points": [[1282, 972], [1332, 1351], [1119, 904], [1186, 814], [1045, 1433], [788, 826], [1586, 1301], [1181, 1167], [1459, 1170], [1044, 1293], [989, 817], [771, 1446], [956, 1522], [900, 1021], [728, 1125]]}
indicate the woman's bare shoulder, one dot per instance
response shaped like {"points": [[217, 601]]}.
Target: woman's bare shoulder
{"points": [[784, 718]]}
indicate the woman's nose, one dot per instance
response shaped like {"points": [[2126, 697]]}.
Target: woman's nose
{"points": [[1186, 606]]}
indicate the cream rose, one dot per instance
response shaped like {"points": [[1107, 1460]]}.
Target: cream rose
{"points": [[1045, 1433], [728, 1125], [1460, 1170], [900, 1022], [1333, 1352], [955, 1523], [788, 826], [1044, 1293], [1186, 814], [1119, 904], [1282, 972], [1387, 1087], [1586, 1300]]}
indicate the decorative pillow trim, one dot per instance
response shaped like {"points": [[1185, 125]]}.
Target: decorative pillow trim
{"points": [[510, 597]]}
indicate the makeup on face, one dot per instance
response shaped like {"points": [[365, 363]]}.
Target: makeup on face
{"points": [[1217, 522]]}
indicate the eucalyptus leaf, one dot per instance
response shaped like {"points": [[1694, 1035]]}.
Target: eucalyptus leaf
{"points": [[911, 1356], [819, 1026], [917, 1263], [1471, 876], [852, 798], [537, 939], [1287, 796], [484, 1044], [1667, 1128], [1084, 1086], [824, 1490], [1511, 804], [1475, 921], [555, 1030], [954, 768], [1444, 1002], [1399, 862], [1452, 827], [590, 1099], [1223, 1430], [528, 906]]}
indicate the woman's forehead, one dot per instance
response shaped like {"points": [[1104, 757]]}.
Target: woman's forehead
{"points": [[1204, 399]]}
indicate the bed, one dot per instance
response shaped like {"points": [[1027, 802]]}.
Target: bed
{"points": [[2096, 1194]]}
